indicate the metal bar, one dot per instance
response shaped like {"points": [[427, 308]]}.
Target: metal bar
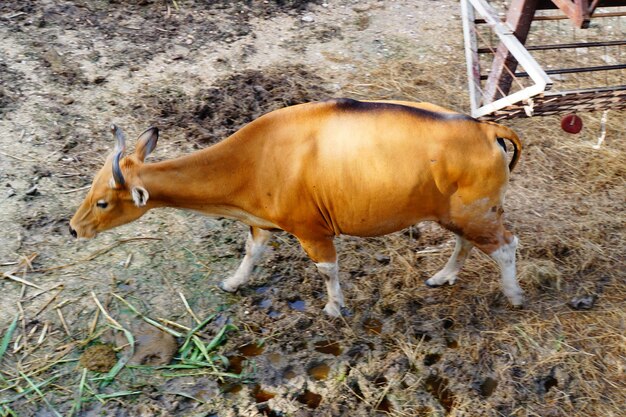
{"points": [[471, 57], [576, 70], [563, 46], [598, 90], [575, 45], [562, 17]]}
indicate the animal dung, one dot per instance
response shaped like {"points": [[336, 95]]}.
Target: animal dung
{"points": [[98, 358]]}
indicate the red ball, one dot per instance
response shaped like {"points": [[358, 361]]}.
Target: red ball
{"points": [[571, 123]]}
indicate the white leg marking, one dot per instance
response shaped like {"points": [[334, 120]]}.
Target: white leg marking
{"points": [[453, 266], [505, 257], [254, 250], [330, 271]]}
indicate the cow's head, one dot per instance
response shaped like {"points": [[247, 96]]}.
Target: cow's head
{"points": [[117, 195]]}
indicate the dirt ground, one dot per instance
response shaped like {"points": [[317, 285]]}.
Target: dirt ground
{"points": [[199, 71]]}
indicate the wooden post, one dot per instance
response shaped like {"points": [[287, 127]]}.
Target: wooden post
{"points": [[519, 18], [579, 11]]}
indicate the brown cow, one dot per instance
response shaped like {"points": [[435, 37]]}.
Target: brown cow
{"points": [[319, 170]]}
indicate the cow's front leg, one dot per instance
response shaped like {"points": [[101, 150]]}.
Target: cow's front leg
{"points": [[322, 252], [336, 303], [255, 246]]}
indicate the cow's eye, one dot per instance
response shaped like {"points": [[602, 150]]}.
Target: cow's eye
{"points": [[102, 204]]}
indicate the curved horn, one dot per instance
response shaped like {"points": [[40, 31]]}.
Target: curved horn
{"points": [[120, 146]]}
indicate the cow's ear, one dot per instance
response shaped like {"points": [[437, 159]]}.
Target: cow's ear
{"points": [[140, 196], [146, 143]]}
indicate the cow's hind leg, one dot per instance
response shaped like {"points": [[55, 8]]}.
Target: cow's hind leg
{"points": [[255, 245], [322, 252], [504, 255], [449, 273], [481, 223], [500, 245]]}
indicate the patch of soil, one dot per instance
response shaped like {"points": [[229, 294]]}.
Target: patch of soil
{"points": [[144, 28], [219, 111]]}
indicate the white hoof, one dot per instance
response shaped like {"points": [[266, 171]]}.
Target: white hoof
{"points": [[516, 299], [332, 309], [225, 287], [440, 279]]}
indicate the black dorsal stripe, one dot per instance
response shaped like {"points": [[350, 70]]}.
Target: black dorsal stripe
{"points": [[348, 104]]}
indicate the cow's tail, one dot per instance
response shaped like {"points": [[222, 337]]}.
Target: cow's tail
{"points": [[499, 132]]}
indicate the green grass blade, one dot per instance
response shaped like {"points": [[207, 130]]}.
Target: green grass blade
{"points": [[219, 338], [203, 323], [202, 372], [38, 391], [194, 330], [6, 411], [28, 391], [79, 398], [117, 394], [93, 392], [148, 319], [6, 339], [201, 348], [221, 358], [191, 365], [182, 394], [185, 351]]}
